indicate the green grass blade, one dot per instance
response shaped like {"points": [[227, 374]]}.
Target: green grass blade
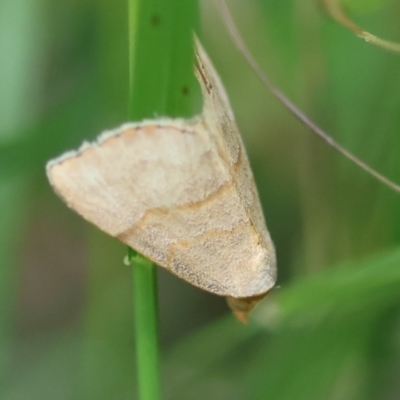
{"points": [[161, 78]]}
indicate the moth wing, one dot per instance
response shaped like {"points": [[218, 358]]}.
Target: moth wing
{"points": [[113, 182], [163, 190], [220, 119]]}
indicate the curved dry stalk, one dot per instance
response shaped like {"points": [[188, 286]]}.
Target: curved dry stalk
{"points": [[240, 44], [336, 12]]}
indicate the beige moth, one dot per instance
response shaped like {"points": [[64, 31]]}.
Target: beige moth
{"points": [[181, 192]]}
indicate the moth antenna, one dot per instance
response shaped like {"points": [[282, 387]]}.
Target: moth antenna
{"points": [[241, 46]]}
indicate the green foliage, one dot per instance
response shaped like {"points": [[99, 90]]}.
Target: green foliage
{"points": [[160, 41], [364, 5], [329, 332]]}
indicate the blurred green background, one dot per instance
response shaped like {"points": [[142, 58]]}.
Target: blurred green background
{"points": [[331, 330]]}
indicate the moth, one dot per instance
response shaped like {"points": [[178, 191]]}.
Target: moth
{"points": [[181, 192]]}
